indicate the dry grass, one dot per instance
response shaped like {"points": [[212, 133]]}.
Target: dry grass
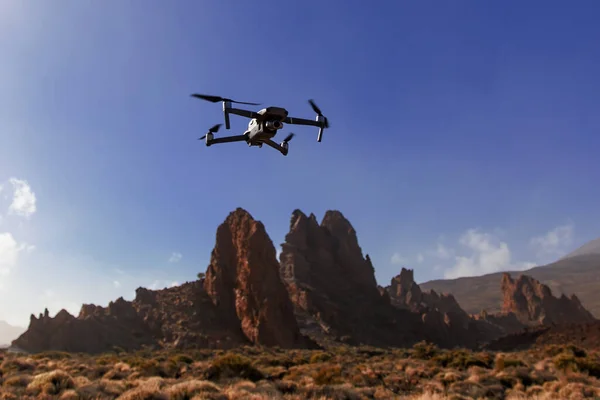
{"points": [[423, 372]]}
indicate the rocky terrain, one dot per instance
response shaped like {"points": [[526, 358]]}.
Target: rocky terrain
{"points": [[241, 301], [578, 273], [533, 303], [333, 287], [322, 292]]}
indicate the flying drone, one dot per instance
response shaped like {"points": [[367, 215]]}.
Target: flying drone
{"points": [[263, 125]]}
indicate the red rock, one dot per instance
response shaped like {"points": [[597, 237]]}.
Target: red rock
{"points": [[533, 303], [333, 287], [244, 283]]}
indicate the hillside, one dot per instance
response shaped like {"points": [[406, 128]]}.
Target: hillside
{"points": [[8, 333], [592, 247], [573, 275]]}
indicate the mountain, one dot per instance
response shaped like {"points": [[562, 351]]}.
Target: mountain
{"points": [[322, 291], [590, 248], [333, 287], [578, 274], [8, 333], [240, 301]]}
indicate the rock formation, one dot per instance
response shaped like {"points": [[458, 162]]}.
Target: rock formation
{"points": [[241, 301], [405, 293], [181, 316], [244, 284], [533, 303], [440, 312], [322, 290], [333, 286]]}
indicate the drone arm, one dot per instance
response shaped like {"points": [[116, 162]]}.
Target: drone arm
{"points": [[228, 139], [277, 147], [302, 121], [243, 113]]}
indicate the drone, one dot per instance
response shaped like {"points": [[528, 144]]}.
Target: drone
{"points": [[263, 125]]}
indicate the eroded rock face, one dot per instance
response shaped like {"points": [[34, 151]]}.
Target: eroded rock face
{"points": [[441, 313], [182, 316], [333, 286], [241, 301], [533, 303], [244, 284]]}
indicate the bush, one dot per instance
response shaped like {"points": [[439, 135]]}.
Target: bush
{"points": [[53, 355], [503, 362], [233, 365], [182, 358], [424, 350], [319, 357], [462, 360], [328, 375]]}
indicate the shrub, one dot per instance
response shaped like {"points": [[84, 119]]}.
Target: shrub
{"points": [[182, 358], [319, 357], [424, 350], [328, 375], [53, 355], [51, 383], [231, 365]]}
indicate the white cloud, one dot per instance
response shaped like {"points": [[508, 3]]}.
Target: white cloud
{"points": [[554, 243], [116, 284], [443, 252], [420, 258], [9, 252], [486, 254], [175, 257], [24, 200], [397, 259], [162, 284]]}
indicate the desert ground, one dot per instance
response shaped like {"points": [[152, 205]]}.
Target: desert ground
{"points": [[421, 372]]}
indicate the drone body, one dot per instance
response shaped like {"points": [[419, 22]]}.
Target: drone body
{"points": [[263, 125]]}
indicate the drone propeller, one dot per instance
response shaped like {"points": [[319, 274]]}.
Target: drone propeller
{"points": [[214, 129], [216, 99], [288, 138], [318, 111]]}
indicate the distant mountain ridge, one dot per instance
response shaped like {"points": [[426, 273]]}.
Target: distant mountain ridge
{"points": [[577, 273], [590, 248], [8, 333]]}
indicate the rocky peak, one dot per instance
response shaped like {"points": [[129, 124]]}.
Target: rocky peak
{"points": [[333, 286], [404, 292], [533, 303], [244, 284]]}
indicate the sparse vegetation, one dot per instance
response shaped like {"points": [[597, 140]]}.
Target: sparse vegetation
{"points": [[423, 372]]}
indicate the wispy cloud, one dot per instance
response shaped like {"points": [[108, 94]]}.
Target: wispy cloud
{"points": [[162, 284], [10, 250], [397, 259], [555, 243], [24, 199], [477, 253], [175, 257]]}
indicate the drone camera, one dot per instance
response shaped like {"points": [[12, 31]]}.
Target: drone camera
{"points": [[274, 124]]}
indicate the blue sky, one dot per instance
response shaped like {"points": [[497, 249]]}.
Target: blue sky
{"points": [[463, 136]]}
